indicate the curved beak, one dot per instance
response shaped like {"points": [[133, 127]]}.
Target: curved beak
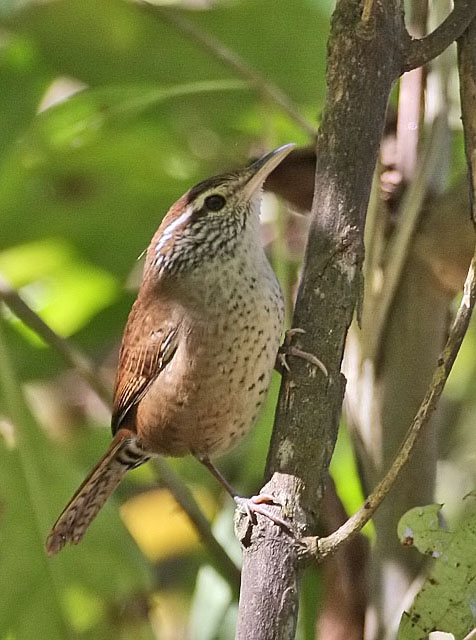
{"points": [[260, 169]]}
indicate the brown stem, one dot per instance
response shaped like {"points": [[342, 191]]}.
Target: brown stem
{"points": [[345, 582], [320, 548], [419, 52], [310, 404], [467, 72]]}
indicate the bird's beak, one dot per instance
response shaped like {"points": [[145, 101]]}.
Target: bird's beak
{"points": [[260, 169]]}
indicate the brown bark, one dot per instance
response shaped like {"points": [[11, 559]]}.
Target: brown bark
{"points": [[467, 71], [364, 60], [365, 57]]}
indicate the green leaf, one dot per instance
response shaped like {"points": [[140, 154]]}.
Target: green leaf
{"points": [[63, 289], [447, 600]]}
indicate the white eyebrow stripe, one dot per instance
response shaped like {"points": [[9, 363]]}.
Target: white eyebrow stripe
{"points": [[168, 231]]}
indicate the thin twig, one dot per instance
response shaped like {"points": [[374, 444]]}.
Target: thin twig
{"points": [[86, 369], [70, 354], [467, 83], [320, 548], [231, 59], [419, 52], [471, 635]]}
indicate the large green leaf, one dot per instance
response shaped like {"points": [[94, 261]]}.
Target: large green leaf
{"points": [[447, 600]]}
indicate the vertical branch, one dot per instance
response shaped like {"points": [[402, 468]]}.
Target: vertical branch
{"points": [[344, 574], [467, 74], [364, 60], [410, 101]]}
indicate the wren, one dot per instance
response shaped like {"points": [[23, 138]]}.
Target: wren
{"points": [[200, 343]]}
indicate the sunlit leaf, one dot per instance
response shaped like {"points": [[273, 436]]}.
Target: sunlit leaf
{"points": [[64, 290], [447, 600], [159, 525]]}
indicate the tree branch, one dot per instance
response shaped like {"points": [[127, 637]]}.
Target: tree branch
{"points": [[467, 73], [309, 406], [320, 548], [72, 356], [421, 51], [344, 576], [232, 60], [86, 369]]}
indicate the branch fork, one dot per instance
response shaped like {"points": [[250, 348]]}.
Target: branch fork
{"points": [[420, 51]]}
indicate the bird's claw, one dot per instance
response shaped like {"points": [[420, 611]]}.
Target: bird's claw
{"points": [[287, 349], [252, 506]]}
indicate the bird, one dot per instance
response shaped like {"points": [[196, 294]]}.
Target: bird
{"points": [[199, 345]]}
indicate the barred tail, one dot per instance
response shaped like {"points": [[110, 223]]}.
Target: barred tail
{"points": [[122, 455]]}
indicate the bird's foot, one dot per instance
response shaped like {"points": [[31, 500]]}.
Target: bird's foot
{"points": [[287, 349], [252, 506]]}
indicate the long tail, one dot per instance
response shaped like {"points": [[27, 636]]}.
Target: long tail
{"points": [[122, 455]]}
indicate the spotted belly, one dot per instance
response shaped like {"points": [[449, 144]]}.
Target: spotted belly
{"points": [[209, 395]]}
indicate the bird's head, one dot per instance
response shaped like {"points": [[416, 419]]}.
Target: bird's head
{"points": [[208, 220]]}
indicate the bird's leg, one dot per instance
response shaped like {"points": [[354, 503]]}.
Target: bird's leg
{"points": [[252, 505], [287, 349]]}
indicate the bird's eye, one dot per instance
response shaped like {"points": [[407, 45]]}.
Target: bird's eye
{"points": [[215, 202]]}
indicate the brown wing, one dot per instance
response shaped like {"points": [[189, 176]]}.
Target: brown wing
{"points": [[146, 349]]}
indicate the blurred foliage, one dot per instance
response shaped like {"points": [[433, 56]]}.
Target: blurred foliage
{"points": [[108, 114]]}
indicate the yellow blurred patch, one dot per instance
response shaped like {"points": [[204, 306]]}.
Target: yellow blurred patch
{"points": [[160, 526]]}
